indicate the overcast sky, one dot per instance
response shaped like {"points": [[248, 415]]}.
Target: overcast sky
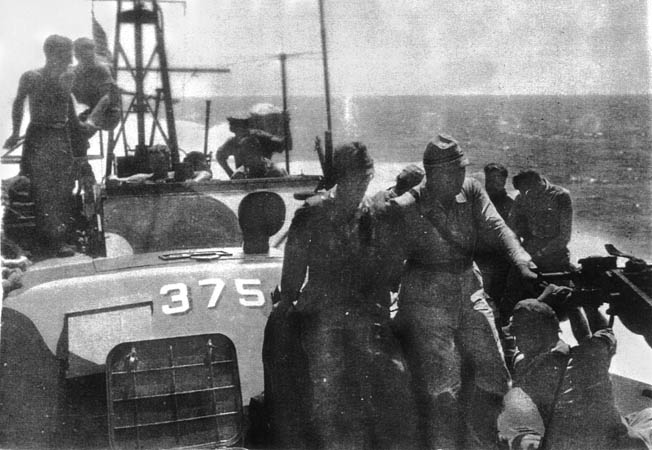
{"points": [[376, 46]]}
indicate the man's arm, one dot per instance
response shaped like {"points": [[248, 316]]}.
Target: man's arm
{"points": [[106, 84], [495, 231], [222, 155], [296, 256], [270, 143], [560, 242], [18, 108], [558, 298], [516, 220]]}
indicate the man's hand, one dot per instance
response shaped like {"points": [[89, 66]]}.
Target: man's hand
{"points": [[555, 296], [89, 127], [528, 442], [526, 271], [285, 308], [11, 142]]}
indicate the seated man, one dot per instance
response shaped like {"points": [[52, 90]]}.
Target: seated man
{"points": [[252, 150], [201, 171], [570, 386]]}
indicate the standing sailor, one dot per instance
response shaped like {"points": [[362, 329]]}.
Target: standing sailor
{"points": [[443, 318], [47, 155], [542, 216], [493, 265], [358, 391], [94, 87]]}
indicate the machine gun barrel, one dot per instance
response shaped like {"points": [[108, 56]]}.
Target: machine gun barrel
{"points": [[558, 277]]}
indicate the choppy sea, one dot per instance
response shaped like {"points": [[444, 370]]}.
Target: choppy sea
{"points": [[599, 147]]}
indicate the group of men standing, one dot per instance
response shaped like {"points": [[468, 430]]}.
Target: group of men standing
{"points": [[340, 373], [56, 139]]}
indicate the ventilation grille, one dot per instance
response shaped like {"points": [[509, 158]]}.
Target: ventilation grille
{"points": [[177, 392]]}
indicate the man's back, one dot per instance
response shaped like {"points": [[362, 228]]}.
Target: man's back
{"points": [[572, 385], [543, 210], [91, 83], [543, 217], [48, 96]]}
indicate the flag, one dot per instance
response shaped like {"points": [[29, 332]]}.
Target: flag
{"points": [[101, 42]]}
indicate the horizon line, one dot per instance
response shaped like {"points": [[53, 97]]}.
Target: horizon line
{"points": [[648, 94]]}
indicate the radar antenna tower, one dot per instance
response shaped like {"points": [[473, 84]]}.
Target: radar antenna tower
{"points": [[142, 14]]}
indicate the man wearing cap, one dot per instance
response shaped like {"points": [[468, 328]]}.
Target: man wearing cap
{"points": [[410, 176], [47, 156], [570, 386], [494, 265], [252, 150], [444, 321], [358, 394], [542, 217]]}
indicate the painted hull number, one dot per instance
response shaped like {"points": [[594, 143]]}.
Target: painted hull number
{"points": [[179, 302]]}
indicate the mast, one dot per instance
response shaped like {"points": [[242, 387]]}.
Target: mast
{"points": [[283, 58], [140, 75], [207, 121], [328, 137], [144, 18]]}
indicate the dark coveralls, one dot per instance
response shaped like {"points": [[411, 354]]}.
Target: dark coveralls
{"points": [[358, 394], [47, 159], [543, 219], [584, 415], [494, 265], [443, 318]]}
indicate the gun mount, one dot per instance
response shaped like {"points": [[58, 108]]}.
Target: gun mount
{"points": [[627, 290]]}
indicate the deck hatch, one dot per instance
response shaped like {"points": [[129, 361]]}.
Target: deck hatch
{"points": [[175, 392]]}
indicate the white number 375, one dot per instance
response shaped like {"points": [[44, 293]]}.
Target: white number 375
{"points": [[180, 301]]}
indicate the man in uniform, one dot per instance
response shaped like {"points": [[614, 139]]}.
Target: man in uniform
{"points": [[252, 150], [570, 386], [410, 176], [337, 283], [495, 178], [493, 265], [542, 217], [47, 155], [444, 322]]}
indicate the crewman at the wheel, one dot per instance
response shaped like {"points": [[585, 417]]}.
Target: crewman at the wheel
{"points": [[252, 150]]}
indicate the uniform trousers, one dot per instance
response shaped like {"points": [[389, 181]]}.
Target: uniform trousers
{"points": [[448, 332]]}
